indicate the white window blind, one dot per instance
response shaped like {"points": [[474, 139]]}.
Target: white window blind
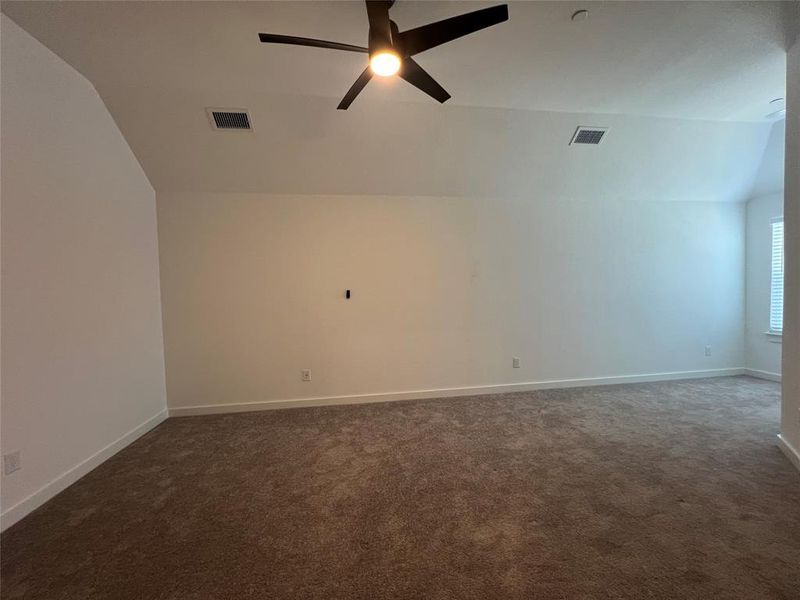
{"points": [[776, 287]]}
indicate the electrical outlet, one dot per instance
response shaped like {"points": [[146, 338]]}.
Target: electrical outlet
{"points": [[305, 374], [708, 350], [515, 362], [11, 462]]}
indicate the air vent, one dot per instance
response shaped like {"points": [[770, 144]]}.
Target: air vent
{"points": [[588, 135], [229, 118]]}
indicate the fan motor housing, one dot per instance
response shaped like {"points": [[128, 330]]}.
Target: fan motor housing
{"points": [[379, 42]]}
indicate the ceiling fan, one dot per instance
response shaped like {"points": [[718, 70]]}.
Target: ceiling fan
{"points": [[390, 50]]}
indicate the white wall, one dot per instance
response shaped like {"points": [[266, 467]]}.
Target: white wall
{"points": [[762, 351], [82, 370], [790, 414], [445, 292]]}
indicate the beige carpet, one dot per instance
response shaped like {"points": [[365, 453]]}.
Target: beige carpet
{"points": [[666, 490]]}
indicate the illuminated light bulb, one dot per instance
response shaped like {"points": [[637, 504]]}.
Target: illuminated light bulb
{"points": [[385, 64]]}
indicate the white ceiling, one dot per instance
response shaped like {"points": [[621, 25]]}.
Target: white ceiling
{"points": [[703, 60], [683, 86]]}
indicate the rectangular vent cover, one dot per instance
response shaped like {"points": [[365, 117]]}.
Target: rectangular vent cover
{"points": [[229, 118], [588, 135]]}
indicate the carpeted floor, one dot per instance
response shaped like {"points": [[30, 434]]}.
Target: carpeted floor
{"points": [[665, 490]]}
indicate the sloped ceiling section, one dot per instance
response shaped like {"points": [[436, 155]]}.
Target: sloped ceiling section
{"points": [[301, 145], [769, 177], [683, 88]]}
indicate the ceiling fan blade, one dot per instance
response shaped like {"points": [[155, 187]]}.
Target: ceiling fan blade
{"points": [[429, 36], [356, 88], [419, 78], [380, 31], [273, 38]]}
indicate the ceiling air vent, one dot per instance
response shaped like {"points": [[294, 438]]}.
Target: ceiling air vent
{"points": [[588, 135], [229, 118]]}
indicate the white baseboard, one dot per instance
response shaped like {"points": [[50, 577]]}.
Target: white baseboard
{"points": [[791, 453], [769, 376], [504, 388], [20, 509]]}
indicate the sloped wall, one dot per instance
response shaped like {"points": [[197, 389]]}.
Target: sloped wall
{"points": [[82, 353]]}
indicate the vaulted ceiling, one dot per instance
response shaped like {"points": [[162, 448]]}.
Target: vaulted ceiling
{"points": [[667, 77]]}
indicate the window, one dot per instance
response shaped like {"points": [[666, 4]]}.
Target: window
{"points": [[776, 287]]}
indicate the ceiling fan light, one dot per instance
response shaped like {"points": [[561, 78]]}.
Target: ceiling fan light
{"points": [[385, 64]]}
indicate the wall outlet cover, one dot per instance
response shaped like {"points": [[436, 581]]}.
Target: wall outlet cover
{"points": [[305, 374], [11, 462], [515, 362]]}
